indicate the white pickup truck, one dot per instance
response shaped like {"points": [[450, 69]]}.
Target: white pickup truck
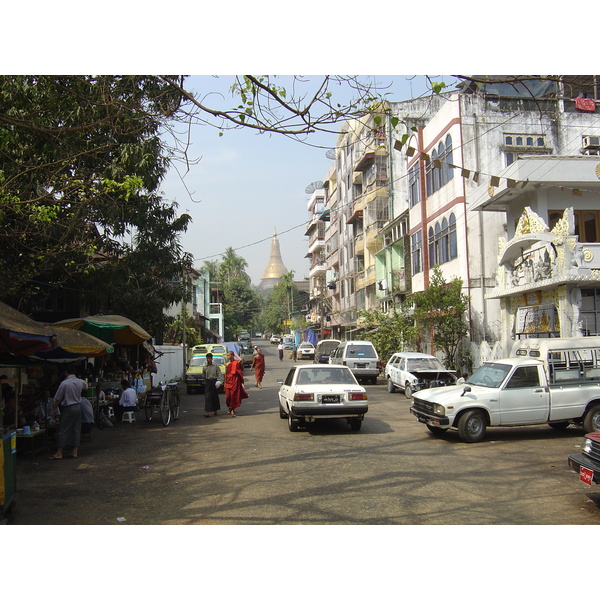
{"points": [[545, 380]]}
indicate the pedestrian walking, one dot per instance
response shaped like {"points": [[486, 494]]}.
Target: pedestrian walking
{"points": [[235, 391], [213, 379], [258, 366], [280, 349]]}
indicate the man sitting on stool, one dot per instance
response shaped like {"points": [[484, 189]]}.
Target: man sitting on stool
{"points": [[127, 401]]}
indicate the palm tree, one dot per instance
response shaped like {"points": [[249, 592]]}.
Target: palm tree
{"points": [[212, 268], [233, 265]]}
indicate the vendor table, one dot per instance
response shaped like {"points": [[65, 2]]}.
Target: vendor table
{"points": [[33, 441]]}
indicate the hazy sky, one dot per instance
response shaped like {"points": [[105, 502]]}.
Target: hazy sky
{"points": [[247, 185]]}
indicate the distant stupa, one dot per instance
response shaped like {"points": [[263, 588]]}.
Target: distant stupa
{"points": [[275, 269]]}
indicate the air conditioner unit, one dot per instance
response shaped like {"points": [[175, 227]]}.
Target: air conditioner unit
{"points": [[590, 141], [591, 151]]}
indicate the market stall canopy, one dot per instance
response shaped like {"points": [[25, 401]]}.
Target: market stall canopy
{"points": [[72, 344], [21, 335], [113, 329]]}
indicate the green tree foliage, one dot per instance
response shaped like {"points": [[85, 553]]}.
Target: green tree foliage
{"points": [[241, 302], [211, 267], [80, 164], [442, 309], [284, 300], [240, 306], [389, 333], [233, 267]]}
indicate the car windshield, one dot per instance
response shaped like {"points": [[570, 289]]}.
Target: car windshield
{"points": [[317, 376], [365, 351], [490, 375], [200, 361], [424, 364], [328, 346]]}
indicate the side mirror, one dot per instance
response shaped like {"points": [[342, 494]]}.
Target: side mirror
{"points": [[466, 389]]}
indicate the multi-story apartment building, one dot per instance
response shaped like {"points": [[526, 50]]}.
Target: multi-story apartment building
{"points": [[361, 198], [315, 231], [398, 210]]}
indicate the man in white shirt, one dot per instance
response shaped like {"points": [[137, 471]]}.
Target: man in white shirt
{"points": [[68, 398], [127, 401]]}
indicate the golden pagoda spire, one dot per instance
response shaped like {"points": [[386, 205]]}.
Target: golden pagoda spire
{"points": [[275, 268]]}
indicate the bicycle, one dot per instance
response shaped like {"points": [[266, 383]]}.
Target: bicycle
{"points": [[164, 399]]}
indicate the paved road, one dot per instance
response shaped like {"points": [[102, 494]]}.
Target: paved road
{"points": [[252, 470]]}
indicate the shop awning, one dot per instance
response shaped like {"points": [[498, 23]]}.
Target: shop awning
{"points": [[113, 329], [21, 335], [72, 344]]}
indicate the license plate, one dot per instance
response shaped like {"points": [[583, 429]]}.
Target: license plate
{"points": [[359, 365], [422, 419], [330, 399], [586, 475]]}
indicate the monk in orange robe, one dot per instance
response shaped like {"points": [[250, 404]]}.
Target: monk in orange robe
{"points": [[235, 391], [258, 364]]}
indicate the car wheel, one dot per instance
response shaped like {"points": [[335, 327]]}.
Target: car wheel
{"points": [[292, 423], [374, 380], [282, 413], [355, 424], [471, 426], [408, 391], [391, 387], [591, 421]]}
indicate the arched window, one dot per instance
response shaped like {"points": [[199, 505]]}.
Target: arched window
{"points": [[428, 177], [435, 172], [444, 241], [449, 158], [438, 256], [431, 242], [452, 237], [443, 166]]}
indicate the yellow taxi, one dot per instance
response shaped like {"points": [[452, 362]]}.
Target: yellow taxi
{"points": [[194, 376]]}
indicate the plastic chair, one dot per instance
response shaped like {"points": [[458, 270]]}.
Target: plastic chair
{"points": [[128, 417]]}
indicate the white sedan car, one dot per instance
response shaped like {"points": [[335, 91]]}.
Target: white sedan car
{"points": [[312, 392], [306, 350]]}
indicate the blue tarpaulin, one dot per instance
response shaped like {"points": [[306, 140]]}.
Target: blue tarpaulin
{"points": [[311, 336], [233, 347]]}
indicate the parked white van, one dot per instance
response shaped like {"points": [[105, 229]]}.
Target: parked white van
{"points": [[360, 357]]}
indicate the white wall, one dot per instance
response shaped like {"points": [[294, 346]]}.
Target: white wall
{"points": [[170, 365]]}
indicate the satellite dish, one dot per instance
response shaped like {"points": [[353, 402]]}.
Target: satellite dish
{"points": [[330, 154], [313, 187]]}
